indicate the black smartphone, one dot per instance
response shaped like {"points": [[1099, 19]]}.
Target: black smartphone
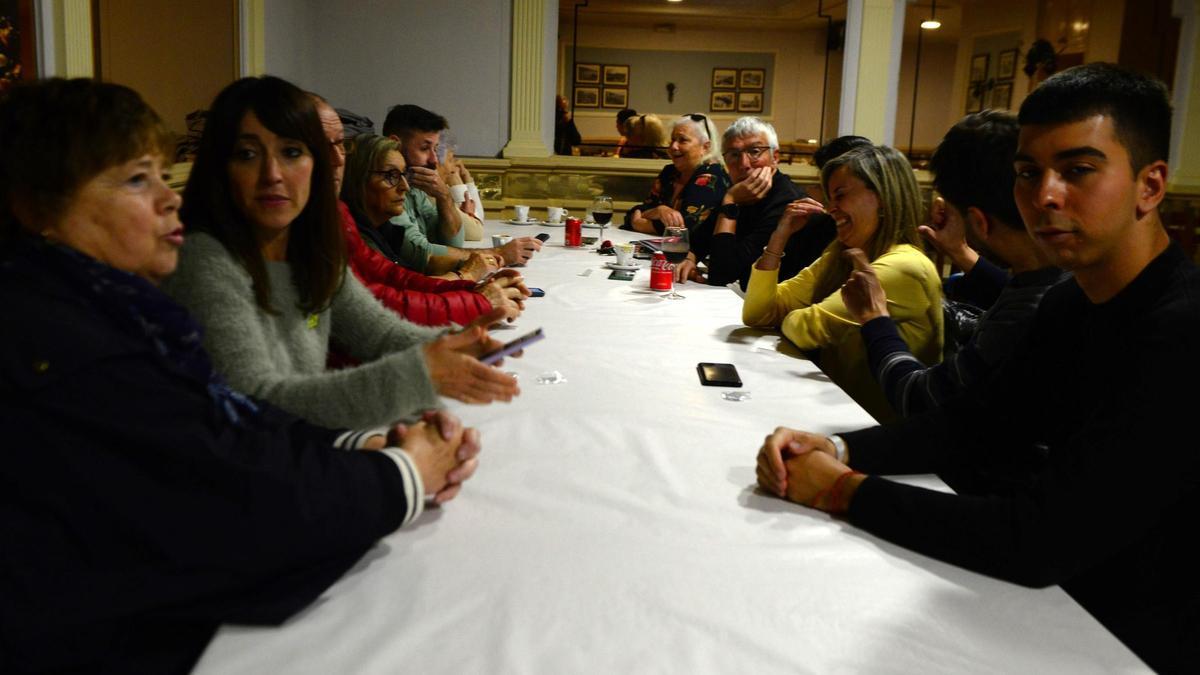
{"points": [[543, 237], [718, 375], [621, 275], [514, 346], [536, 292]]}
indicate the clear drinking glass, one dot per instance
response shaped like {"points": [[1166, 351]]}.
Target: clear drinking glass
{"points": [[675, 247]]}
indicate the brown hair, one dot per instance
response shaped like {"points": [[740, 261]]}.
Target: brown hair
{"points": [[889, 175], [316, 253], [56, 135]]}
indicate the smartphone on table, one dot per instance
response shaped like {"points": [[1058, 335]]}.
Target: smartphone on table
{"points": [[512, 347]]}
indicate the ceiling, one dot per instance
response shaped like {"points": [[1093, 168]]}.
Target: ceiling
{"points": [[743, 14]]}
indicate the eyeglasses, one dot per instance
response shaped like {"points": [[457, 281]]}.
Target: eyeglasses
{"points": [[391, 177], [754, 152]]}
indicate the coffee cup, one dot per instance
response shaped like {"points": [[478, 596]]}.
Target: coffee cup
{"points": [[555, 214], [458, 193], [520, 213], [499, 240], [624, 253]]}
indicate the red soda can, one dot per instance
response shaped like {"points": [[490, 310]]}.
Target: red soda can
{"points": [[574, 232], [662, 273]]}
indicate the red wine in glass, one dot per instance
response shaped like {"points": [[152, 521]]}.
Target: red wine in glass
{"points": [[675, 247]]}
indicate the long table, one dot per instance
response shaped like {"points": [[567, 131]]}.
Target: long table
{"points": [[614, 526]]}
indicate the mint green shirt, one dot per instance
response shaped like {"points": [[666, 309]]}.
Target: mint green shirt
{"points": [[422, 231]]}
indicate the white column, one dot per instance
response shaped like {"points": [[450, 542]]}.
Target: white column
{"points": [[1184, 174], [871, 68], [252, 51], [530, 109], [74, 49]]}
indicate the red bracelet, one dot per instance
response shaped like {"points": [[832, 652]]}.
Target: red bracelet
{"points": [[835, 505]]}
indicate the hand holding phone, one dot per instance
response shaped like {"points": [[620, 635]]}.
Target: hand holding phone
{"points": [[512, 347]]}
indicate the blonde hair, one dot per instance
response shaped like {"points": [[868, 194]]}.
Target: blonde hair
{"points": [[889, 175], [370, 151], [646, 134]]}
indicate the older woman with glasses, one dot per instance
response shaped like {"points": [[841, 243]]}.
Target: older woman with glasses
{"points": [[874, 200], [373, 192], [265, 272], [145, 501], [688, 191]]}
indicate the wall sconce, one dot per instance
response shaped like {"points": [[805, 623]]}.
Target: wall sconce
{"points": [[670, 92]]}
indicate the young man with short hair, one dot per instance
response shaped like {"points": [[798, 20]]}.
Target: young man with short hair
{"points": [[973, 171], [1084, 443]]}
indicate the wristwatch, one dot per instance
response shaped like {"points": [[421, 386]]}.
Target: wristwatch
{"points": [[730, 211]]}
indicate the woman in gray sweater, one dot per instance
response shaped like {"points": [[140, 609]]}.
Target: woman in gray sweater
{"points": [[264, 269]]}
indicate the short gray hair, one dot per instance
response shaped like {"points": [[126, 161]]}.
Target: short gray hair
{"points": [[750, 126]]}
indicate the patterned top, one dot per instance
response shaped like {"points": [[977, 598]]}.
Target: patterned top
{"points": [[697, 201]]}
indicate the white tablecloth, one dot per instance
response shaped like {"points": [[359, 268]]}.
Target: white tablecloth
{"points": [[613, 527]]}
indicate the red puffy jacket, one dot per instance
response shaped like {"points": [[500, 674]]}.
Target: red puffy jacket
{"points": [[419, 298]]}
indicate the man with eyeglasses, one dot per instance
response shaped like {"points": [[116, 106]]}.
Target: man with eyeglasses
{"points": [[750, 211]]}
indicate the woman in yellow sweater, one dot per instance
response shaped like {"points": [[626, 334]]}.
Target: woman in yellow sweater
{"points": [[874, 199]]}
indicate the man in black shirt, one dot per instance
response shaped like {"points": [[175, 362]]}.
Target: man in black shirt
{"points": [[751, 210], [1083, 445]]}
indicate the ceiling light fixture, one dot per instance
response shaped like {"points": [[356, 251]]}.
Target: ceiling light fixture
{"points": [[932, 23], [674, 0]]}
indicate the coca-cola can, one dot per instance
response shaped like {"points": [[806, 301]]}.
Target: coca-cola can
{"points": [[662, 273], [574, 233]]}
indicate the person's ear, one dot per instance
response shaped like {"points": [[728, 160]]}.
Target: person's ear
{"points": [[1151, 187], [979, 220], [396, 138]]}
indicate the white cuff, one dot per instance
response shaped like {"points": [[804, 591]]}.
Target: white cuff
{"points": [[474, 192], [355, 439], [414, 488]]}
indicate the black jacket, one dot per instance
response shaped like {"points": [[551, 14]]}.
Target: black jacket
{"points": [[134, 518]]}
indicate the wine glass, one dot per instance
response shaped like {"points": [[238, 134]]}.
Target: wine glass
{"points": [[602, 210], [675, 247]]}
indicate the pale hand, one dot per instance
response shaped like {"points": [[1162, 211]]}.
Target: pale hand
{"points": [[477, 265], [753, 187], [862, 293], [686, 271], [796, 215], [455, 369], [444, 460], [429, 181], [509, 298], [948, 234], [520, 250], [666, 215], [468, 207]]}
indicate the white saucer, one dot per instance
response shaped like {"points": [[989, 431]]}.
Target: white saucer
{"points": [[624, 268], [531, 221], [546, 223]]}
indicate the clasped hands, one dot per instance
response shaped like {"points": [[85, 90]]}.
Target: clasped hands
{"points": [[802, 467], [444, 453]]}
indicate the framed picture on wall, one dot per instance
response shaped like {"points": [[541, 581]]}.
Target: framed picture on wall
{"points": [[1006, 65], [616, 97], [1001, 96], [722, 101], [587, 73], [724, 78], [979, 67], [587, 97], [974, 98], [750, 101], [616, 76], [751, 78]]}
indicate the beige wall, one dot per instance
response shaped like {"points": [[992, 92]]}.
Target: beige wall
{"points": [[178, 55], [796, 87], [935, 87]]}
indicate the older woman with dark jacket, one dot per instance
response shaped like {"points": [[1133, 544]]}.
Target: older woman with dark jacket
{"points": [[143, 502]]}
